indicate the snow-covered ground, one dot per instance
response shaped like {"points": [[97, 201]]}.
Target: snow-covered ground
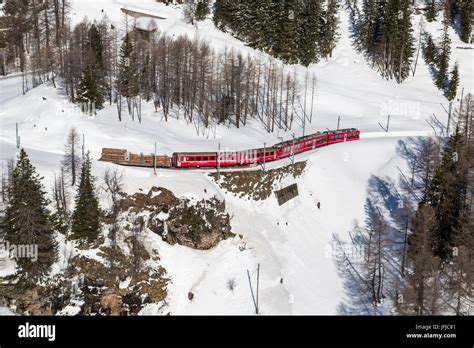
{"points": [[291, 243]]}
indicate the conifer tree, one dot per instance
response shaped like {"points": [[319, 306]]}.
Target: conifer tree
{"points": [[453, 83], [27, 221], [369, 27], [429, 52], [386, 35], [86, 215], [285, 39], [443, 59], [96, 49], [309, 32], [89, 95], [431, 10], [202, 10], [128, 74], [466, 15], [447, 193], [404, 46], [329, 34]]}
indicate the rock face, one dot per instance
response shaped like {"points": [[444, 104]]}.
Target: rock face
{"points": [[113, 303], [201, 225], [90, 287], [256, 184], [121, 278]]}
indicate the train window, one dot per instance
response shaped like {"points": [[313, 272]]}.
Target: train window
{"points": [[212, 158]]}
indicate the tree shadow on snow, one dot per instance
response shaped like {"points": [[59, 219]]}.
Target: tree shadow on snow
{"points": [[385, 206]]}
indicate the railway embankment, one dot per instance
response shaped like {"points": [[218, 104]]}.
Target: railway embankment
{"points": [[256, 184]]}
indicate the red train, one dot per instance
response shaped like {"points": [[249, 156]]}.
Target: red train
{"points": [[236, 158]]}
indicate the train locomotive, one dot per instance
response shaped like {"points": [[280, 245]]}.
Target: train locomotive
{"points": [[230, 159]]}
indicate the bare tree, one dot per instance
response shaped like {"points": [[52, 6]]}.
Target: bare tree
{"points": [[113, 181], [61, 216], [71, 161]]}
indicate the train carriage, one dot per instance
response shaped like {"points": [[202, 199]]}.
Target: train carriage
{"points": [[226, 159], [123, 157], [298, 145], [343, 135], [194, 159]]}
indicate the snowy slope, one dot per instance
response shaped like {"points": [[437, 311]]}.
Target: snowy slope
{"points": [[347, 84], [292, 242], [298, 252]]}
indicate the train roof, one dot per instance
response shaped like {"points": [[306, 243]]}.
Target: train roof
{"points": [[340, 131], [194, 153], [287, 142], [222, 152]]}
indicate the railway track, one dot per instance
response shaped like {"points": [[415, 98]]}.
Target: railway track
{"points": [[124, 158]]}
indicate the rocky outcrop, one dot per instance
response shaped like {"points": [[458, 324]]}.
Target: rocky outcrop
{"points": [[256, 184], [201, 225]]}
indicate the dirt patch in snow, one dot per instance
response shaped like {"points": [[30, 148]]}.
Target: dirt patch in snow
{"points": [[256, 184]]}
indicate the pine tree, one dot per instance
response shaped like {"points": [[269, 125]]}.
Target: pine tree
{"points": [[447, 194], [222, 13], [329, 28], [96, 49], [466, 15], [27, 221], [370, 27], [286, 35], [89, 95], [453, 83], [429, 51], [128, 73], [309, 32], [443, 59], [86, 215], [404, 45], [202, 10], [386, 35], [431, 10]]}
